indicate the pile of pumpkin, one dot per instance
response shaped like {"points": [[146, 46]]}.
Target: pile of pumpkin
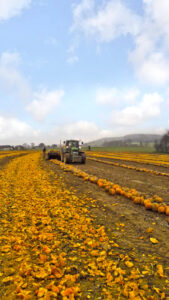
{"points": [[129, 167], [154, 203]]}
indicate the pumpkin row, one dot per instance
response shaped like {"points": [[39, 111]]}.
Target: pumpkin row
{"points": [[154, 203]]}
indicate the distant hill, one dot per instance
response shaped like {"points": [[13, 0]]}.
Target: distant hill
{"points": [[149, 138], [127, 139], [101, 142]]}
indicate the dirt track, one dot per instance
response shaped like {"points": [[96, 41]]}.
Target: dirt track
{"points": [[125, 221]]}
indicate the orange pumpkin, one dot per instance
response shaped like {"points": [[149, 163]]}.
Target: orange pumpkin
{"points": [[148, 204], [100, 184], [167, 210], [155, 206], [112, 191], [142, 200], [161, 209], [157, 198], [93, 179], [137, 200]]}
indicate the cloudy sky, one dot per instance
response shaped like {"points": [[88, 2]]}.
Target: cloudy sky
{"points": [[83, 69]]}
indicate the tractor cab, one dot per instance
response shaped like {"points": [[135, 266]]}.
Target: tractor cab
{"points": [[72, 145]]}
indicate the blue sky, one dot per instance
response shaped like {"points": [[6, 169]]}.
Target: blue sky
{"points": [[83, 69]]}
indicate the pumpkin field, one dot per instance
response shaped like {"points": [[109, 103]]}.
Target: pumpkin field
{"points": [[94, 231]]}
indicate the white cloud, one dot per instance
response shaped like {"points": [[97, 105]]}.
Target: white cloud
{"points": [[9, 59], [81, 9], [14, 131], [150, 56], [150, 63], [107, 96], [113, 96], [81, 130], [154, 69], [44, 102], [107, 22], [158, 12], [131, 95], [146, 110], [72, 59], [12, 81], [21, 132], [11, 8]]}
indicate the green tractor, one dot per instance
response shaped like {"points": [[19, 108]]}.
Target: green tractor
{"points": [[72, 153]]}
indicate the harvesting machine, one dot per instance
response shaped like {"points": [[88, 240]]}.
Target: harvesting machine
{"points": [[70, 152]]}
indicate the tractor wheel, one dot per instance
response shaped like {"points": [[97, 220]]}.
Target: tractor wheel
{"points": [[66, 159], [83, 159], [48, 157]]}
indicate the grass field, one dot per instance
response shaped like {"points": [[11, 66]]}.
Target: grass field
{"points": [[148, 149]]}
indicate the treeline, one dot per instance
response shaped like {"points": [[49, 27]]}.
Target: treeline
{"points": [[26, 146], [163, 145], [126, 143]]}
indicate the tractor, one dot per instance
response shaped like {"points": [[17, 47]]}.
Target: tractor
{"points": [[72, 153]]}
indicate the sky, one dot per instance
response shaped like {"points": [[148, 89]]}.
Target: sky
{"points": [[83, 69]]}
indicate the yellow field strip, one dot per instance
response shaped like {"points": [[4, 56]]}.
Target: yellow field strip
{"points": [[132, 159], [14, 153], [122, 156], [7, 153], [145, 156], [154, 203], [128, 167], [51, 248], [141, 157], [4, 152]]}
